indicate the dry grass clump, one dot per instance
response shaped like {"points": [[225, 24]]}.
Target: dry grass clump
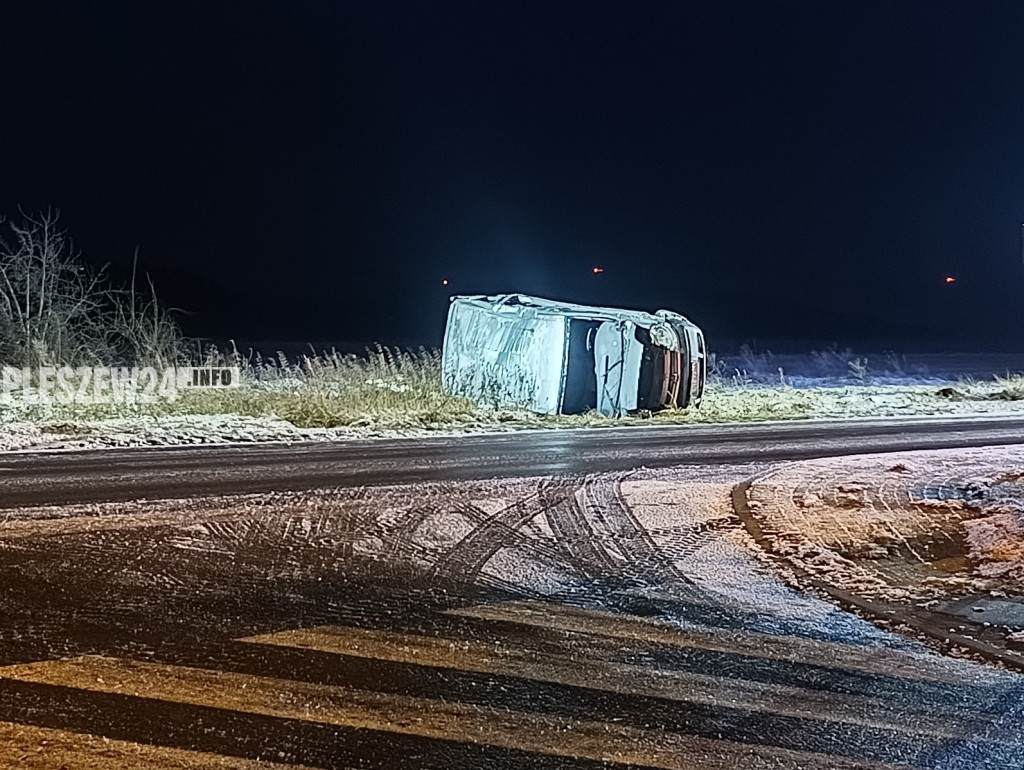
{"points": [[384, 389], [1009, 388]]}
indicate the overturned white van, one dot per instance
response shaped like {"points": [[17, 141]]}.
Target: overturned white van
{"points": [[560, 358]]}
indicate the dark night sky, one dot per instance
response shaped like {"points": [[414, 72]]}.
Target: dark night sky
{"points": [[313, 170]]}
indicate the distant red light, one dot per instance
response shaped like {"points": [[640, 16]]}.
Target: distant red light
{"points": [[598, 270]]}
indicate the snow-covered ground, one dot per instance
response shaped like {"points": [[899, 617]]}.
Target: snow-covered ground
{"points": [[184, 430], [64, 429]]}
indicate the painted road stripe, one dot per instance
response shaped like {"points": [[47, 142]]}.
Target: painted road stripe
{"points": [[42, 748], [869, 660], [575, 668], [541, 734], [255, 736]]}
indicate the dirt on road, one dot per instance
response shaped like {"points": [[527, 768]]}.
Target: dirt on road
{"points": [[936, 530]]}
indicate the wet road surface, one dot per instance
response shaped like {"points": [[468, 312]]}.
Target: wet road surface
{"points": [[562, 621], [36, 478]]}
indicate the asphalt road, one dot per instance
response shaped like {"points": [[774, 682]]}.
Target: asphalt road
{"points": [[461, 623], [150, 473]]}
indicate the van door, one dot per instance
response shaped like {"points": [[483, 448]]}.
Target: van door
{"points": [[617, 356]]}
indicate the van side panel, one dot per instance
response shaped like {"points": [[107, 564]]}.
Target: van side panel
{"points": [[504, 356]]}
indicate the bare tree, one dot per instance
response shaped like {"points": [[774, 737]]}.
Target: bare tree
{"points": [[56, 310]]}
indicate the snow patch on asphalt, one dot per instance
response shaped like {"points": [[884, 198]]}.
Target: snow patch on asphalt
{"points": [[725, 565], [452, 534]]}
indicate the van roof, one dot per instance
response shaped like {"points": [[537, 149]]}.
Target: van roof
{"points": [[556, 307]]}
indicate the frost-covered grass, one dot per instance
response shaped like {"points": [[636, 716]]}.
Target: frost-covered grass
{"points": [[383, 389], [725, 402], [395, 391]]}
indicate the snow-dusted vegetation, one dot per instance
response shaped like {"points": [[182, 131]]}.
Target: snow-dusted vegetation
{"points": [[393, 393], [56, 311]]}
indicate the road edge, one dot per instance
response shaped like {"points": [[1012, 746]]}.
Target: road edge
{"points": [[941, 418]]}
